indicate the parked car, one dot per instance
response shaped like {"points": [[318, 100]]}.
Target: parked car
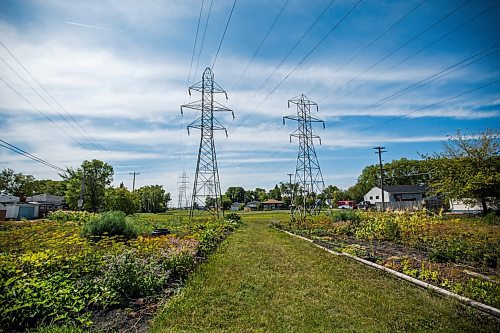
{"points": [[346, 204], [365, 205]]}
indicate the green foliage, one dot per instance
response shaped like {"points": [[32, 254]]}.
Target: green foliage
{"points": [[346, 215], [54, 187], [17, 184], [236, 194], [121, 199], [67, 216], [97, 176], [50, 274], [153, 198], [111, 223], [468, 168], [232, 217], [132, 275]]}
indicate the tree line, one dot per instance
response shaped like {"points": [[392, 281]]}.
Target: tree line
{"points": [[91, 181]]}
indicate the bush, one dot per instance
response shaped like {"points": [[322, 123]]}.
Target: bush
{"points": [[232, 217], [343, 216], [110, 224], [132, 276]]}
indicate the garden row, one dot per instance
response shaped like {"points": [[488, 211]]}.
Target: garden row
{"points": [[459, 254], [64, 269]]}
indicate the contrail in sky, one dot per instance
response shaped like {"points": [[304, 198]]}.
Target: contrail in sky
{"points": [[88, 26]]}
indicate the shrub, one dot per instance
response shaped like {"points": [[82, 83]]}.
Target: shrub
{"points": [[131, 275], [109, 224], [343, 216], [232, 217]]}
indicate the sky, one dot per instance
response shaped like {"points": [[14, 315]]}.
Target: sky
{"points": [[405, 75]]}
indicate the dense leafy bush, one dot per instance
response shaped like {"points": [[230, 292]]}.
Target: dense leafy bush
{"points": [[346, 215], [112, 223]]}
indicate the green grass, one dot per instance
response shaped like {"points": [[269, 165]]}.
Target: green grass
{"points": [[262, 280]]}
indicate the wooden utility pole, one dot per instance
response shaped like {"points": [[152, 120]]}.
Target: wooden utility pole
{"points": [[133, 182], [379, 151]]}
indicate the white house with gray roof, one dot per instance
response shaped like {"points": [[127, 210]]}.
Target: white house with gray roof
{"points": [[396, 193]]}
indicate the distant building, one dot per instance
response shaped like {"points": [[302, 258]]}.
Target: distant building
{"points": [[48, 203], [252, 205], [397, 196], [235, 206], [272, 204]]}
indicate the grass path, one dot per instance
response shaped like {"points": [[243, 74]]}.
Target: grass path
{"points": [[262, 280]]}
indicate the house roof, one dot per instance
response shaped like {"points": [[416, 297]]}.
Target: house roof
{"points": [[45, 197], [272, 202], [405, 189]]}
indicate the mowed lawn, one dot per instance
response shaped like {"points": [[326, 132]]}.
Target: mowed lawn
{"points": [[263, 280]]}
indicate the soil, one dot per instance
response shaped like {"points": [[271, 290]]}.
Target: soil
{"points": [[135, 316]]}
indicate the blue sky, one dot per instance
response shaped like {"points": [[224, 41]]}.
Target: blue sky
{"points": [[120, 69]]}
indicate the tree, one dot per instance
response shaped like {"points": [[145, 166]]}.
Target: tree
{"points": [[261, 194], [97, 176], [17, 184], [121, 199], [226, 202], [236, 194], [467, 169], [54, 187], [153, 198], [275, 193]]}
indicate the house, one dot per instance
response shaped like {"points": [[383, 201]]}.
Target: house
{"points": [[48, 203], [235, 206], [470, 206], [272, 204], [397, 196], [252, 205]]}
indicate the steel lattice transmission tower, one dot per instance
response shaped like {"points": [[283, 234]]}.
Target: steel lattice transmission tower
{"points": [[206, 189], [183, 195], [308, 174]]}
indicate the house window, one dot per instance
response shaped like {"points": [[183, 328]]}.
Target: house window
{"points": [[376, 197], [371, 198]]}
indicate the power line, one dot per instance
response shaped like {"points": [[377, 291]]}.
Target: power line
{"points": [[20, 151], [95, 143], [430, 78], [43, 114], [203, 38], [311, 51], [296, 44], [36, 92], [373, 41], [463, 4], [460, 26], [263, 40], [307, 55], [431, 105], [195, 42], [224, 34]]}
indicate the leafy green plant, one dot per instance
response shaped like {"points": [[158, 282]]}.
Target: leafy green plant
{"points": [[70, 216], [346, 215], [110, 224]]}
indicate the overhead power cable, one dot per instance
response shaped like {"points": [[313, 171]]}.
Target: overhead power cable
{"points": [[452, 31], [91, 139], [354, 56], [296, 44], [262, 41], [20, 151], [43, 114], [195, 42], [445, 72], [203, 38], [310, 52], [441, 19], [224, 34], [432, 105]]}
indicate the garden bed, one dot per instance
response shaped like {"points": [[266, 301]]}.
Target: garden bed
{"points": [[50, 274], [461, 256]]}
